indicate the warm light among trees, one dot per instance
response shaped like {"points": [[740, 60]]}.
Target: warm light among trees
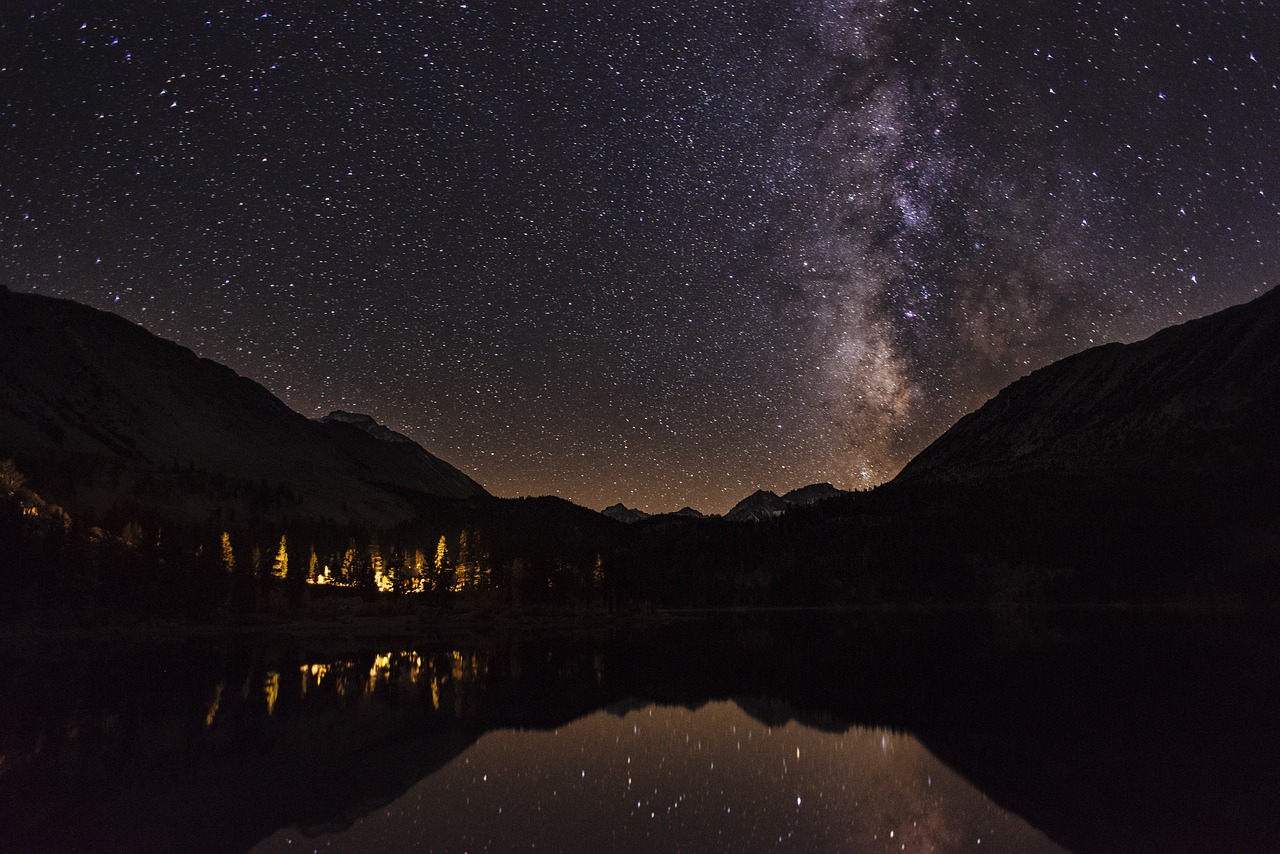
{"points": [[228, 556], [280, 567]]}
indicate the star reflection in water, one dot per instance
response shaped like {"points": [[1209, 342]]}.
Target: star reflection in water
{"points": [[714, 778]]}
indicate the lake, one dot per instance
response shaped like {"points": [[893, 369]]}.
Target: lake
{"points": [[1014, 730]]}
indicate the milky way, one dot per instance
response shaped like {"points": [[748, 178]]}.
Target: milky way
{"points": [[662, 253]]}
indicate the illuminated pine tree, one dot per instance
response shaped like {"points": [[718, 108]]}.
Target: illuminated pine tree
{"points": [[439, 563], [419, 571], [382, 579], [280, 568], [312, 565], [483, 573]]}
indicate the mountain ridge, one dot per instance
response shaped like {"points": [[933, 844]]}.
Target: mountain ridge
{"points": [[622, 513], [1192, 398], [90, 395], [766, 504]]}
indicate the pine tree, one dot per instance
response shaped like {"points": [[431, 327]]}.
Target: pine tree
{"points": [[381, 578], [348, 571], [280, 568], [441, 566], [464, 576], [419, 571]]}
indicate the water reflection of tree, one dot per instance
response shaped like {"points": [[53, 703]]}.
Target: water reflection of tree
{"points": [[452, 680]]}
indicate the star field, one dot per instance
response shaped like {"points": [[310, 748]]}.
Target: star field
{"points": [[660, 253], [669, 778]]}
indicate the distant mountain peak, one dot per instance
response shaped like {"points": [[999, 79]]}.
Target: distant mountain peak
{"points": [[357, 418], [759, 505], [365, 423], [813, 493], [765, 504], [622, 513]]}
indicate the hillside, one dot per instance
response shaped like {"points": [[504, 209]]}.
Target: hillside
{"points": [[1201, 398], [99, 409]]}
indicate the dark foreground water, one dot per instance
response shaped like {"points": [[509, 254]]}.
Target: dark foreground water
{"points": [[1019, 731]]}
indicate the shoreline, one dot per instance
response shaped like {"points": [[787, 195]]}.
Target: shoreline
{"points": [[58, 629]]}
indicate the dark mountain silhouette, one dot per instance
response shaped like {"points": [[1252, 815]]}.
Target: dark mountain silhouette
{"points": [[761, 504], [93, 405], [622, 513], [688, 511], [1201, 398], [765, 504], [685, 517], [395, 459], [812, 494], [1126, 473]]}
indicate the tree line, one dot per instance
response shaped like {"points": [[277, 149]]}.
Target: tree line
{"points": [[1034, 540]]}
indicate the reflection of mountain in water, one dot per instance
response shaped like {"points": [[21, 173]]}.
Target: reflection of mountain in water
{"points": [[1104, 733], [669, 777]]}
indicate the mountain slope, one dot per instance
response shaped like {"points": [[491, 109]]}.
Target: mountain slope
{"points": [[89, 395], [759, 505], [812, 494], [393, 459], [765, 504], [1200, 399], [622, 513]]}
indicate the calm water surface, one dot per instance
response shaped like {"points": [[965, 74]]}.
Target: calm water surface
{"points": [[850, 732], [670, 778]]}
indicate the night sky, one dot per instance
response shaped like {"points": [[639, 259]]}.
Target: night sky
{"points": [[662, 252]]}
